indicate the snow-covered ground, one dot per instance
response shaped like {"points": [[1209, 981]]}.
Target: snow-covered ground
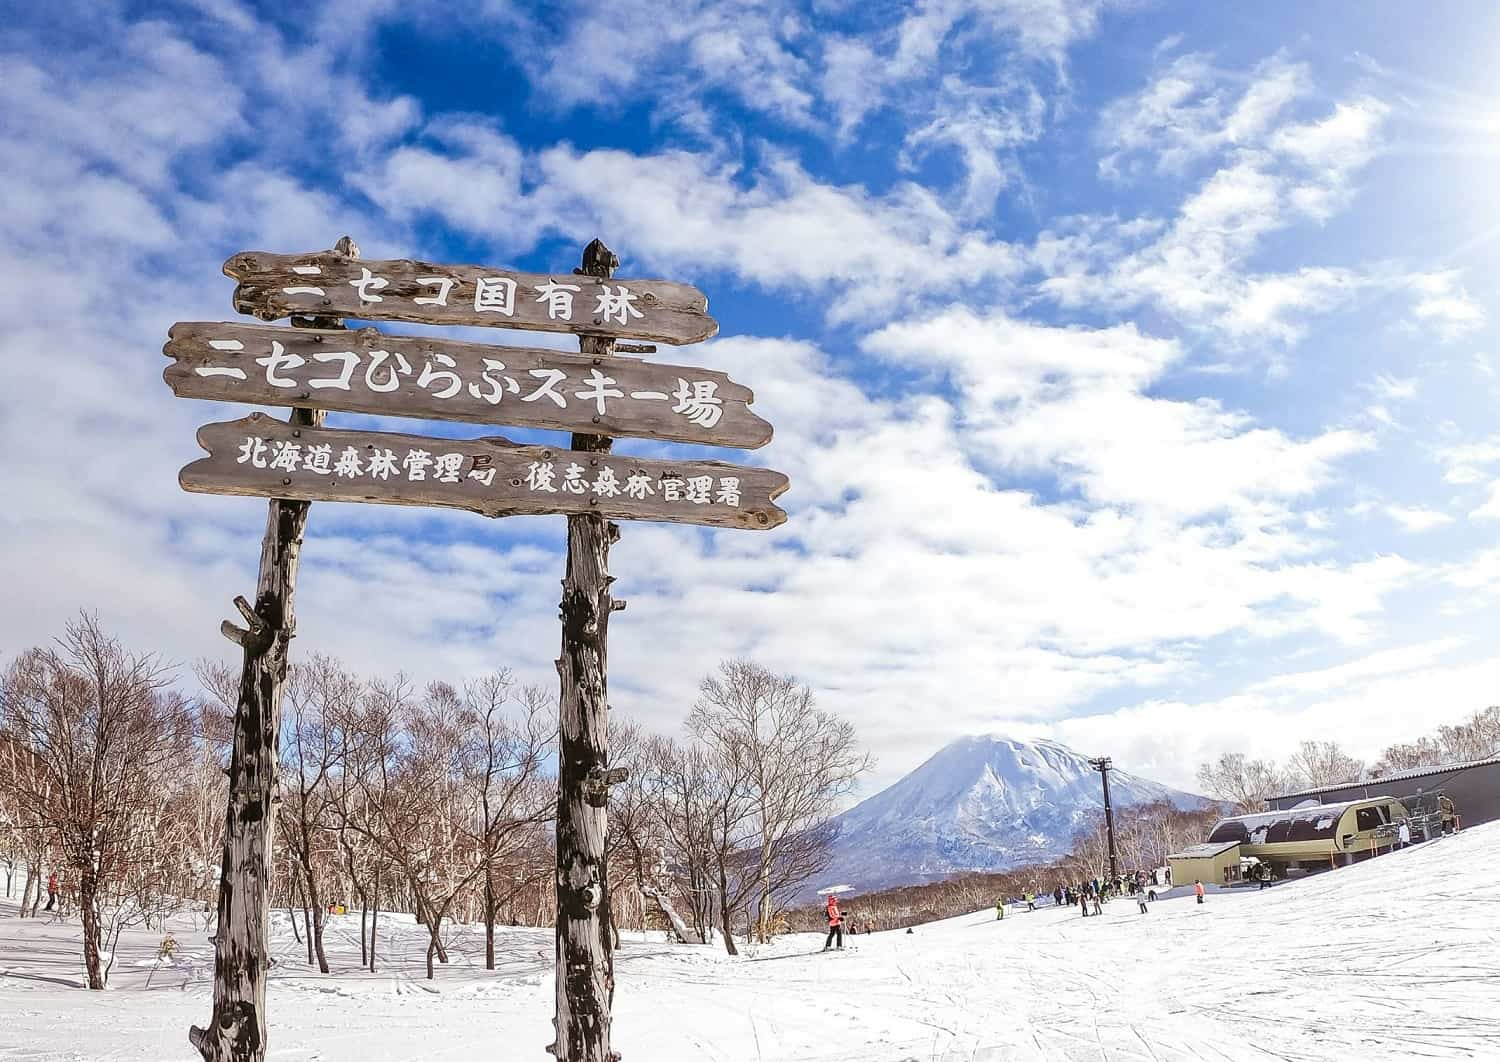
{"points": [[1398, 958]]}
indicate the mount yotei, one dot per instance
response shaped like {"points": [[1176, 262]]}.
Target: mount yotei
{"points": [[981, 803]]}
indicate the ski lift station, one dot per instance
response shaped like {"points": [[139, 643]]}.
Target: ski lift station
{"points": [[1313, 837]]}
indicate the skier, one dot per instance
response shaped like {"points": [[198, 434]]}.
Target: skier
{"points": [[1198, 890], [1264, 873], [1083, 902], [51, 891], [1000, 909], [1140, 900], [1030, 901], [1404, 834], [1097, 909], [1057, 895], [835, 925]]}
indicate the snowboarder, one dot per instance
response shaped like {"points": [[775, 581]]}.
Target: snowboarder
{"points": [[51, 891], [835, 925], [1198, 890], [1030, 901]]}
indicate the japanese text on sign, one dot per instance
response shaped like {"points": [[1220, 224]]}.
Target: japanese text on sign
{"points": [[387, 371], [542, 477]]}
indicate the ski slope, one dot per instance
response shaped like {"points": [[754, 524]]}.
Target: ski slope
{"points": [[1398, 958]]}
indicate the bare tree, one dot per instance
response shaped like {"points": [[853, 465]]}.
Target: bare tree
{"points": [[503, 746], [1322, 763], [1247, 784], [318, 695], [103, 736], [799, 763]]}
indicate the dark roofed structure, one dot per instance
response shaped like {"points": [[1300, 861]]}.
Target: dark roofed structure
{"points": [[1473, 786]]}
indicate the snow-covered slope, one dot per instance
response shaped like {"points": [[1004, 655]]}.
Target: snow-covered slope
{"points": [[1387, 961], [981, 803]]}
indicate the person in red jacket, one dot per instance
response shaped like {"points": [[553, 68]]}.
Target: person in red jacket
{"points": [[1198, 890], [51, 891], [835, 925]]}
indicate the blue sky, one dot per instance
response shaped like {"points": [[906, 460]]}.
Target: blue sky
{"points": [[1133, 363]]}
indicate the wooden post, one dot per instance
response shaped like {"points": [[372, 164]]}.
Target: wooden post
{"points": [[237, 1032], [585, 963]]}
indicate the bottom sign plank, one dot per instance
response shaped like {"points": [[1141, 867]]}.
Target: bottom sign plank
{"points": [[265, 457]]}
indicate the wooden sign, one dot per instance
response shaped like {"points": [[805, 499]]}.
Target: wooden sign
{"points": [[270, 458], [328, 284], [366, 371]]}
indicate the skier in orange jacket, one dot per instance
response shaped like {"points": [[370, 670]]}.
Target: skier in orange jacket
{"points": [[835, 925]]}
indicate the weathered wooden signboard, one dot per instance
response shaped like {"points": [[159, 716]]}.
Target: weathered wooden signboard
{"points": [[366, 371], [265, 457], [315, 366], [272, 286]]}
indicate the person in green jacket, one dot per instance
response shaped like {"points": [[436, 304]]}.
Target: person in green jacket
{"points": [[1000, 909]]}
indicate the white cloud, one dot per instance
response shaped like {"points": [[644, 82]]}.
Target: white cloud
{"points": [[1185, 115], [866, 256], [1071, 401], [1465, 462], [1396, 388], [670, 50], [860, 75], [1365, 705], [1269, 174], [981, 125], [1443, 304], [990, 515], [1490, 509], [1415, 518]]}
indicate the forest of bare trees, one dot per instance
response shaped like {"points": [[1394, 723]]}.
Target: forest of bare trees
{"points": [[434, 801]]}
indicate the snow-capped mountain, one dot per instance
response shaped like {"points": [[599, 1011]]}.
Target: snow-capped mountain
{"points": [[981, 803]]}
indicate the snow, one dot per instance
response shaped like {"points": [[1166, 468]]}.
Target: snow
{"points": [[1395, 958], [981, 803]]}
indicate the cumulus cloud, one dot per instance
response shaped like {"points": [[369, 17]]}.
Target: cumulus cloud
{"points": [[994, 515], [1415, 518], [1365, 705]]}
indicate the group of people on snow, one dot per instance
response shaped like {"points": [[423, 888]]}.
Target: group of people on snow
{"points": [[1092, 894]]}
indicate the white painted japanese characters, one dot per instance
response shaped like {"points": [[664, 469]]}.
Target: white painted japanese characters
{"points": [[266, 457], [366, 371], [273, 286]]}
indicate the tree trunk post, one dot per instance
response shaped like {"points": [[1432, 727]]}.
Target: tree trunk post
{"points": [[88, 909], [489, 912], [585, 961], [374, 918], [237, 1031]]}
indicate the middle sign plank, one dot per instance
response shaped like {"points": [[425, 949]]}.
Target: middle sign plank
{"points": [[265, 457], [366, 371]]}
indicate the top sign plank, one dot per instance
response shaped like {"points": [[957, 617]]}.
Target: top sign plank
{"points": [[328, 284]]}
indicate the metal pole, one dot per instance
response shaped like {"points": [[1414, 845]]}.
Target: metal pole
{"points": [[1102, 765]]}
